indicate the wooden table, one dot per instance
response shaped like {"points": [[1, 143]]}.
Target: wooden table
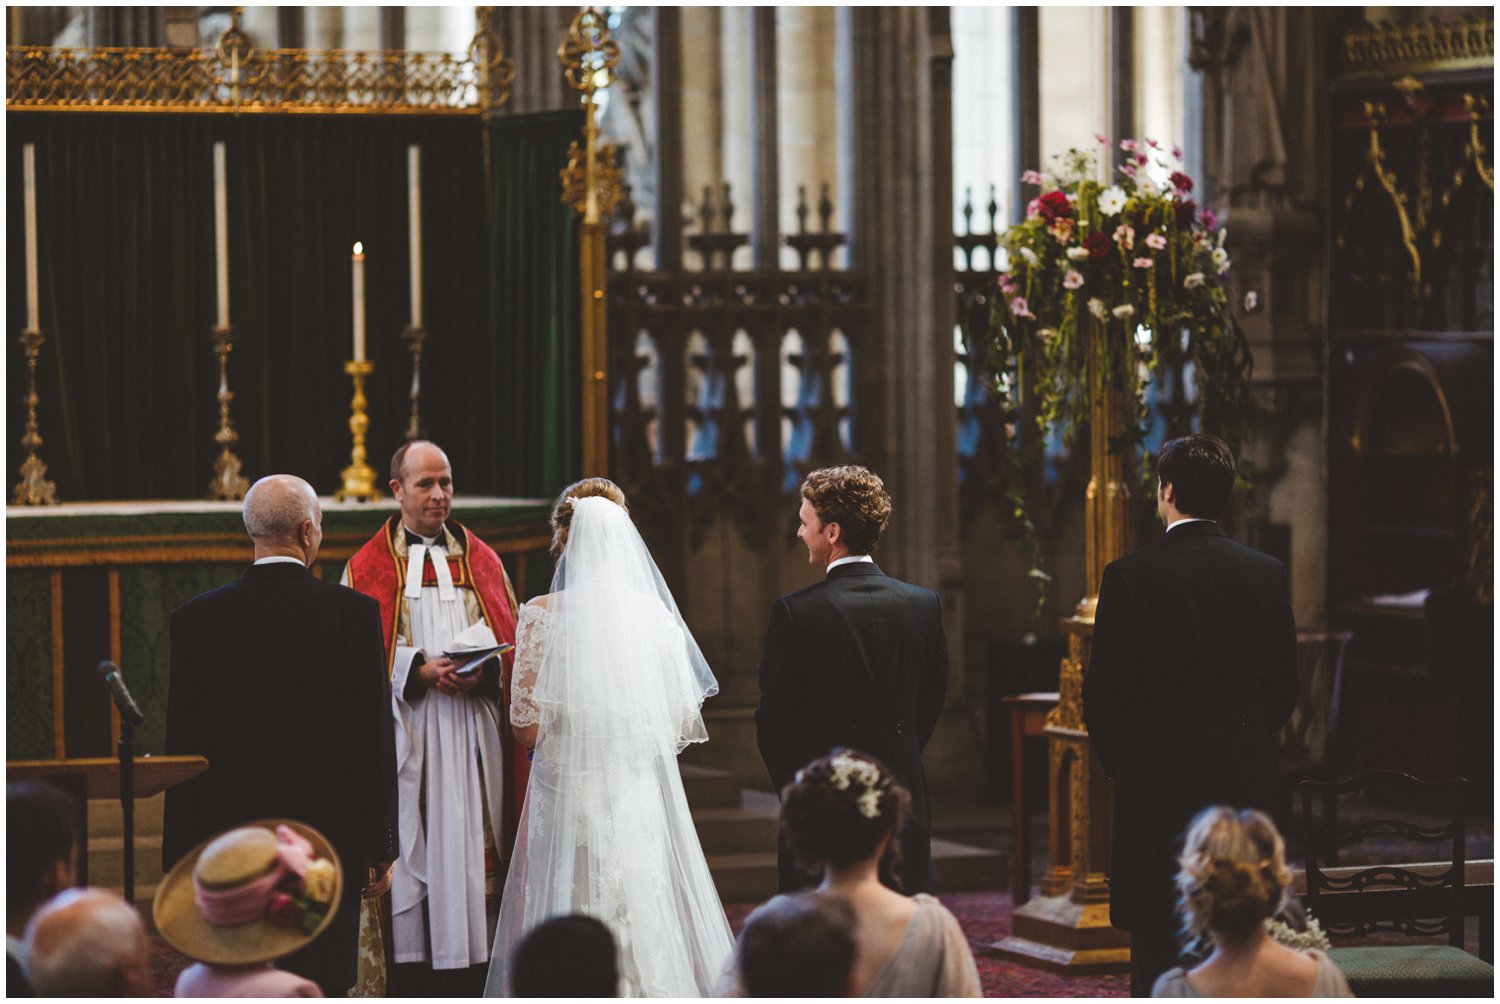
{"points": [[1028, 719], [99, 777]]}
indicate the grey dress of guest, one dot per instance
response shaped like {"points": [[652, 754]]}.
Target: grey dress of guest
{"points": [[932, 960], [1330, 980]]}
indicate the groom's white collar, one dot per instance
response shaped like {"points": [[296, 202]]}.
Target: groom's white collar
{"points": [[849, 560]]}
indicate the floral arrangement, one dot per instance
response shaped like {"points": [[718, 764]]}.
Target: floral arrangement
{"points": [[846, 770], [1308, 935], [1141, 259]]}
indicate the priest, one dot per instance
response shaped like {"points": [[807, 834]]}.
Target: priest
{"points": [[461, 777]]}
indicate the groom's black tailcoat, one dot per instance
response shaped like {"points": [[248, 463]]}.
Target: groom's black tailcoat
{"points": [[857, 660], [1193, 672], [279, 679]]}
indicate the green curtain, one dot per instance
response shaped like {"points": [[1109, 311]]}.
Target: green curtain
{"points": [[125, 222], [534, 303]]}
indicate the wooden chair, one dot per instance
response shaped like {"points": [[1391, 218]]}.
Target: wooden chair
{"points": [[1308, 746], [1390, 897]]}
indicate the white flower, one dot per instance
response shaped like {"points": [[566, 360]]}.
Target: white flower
{"points": [[1111, 200], [1224, 267], [1096, 307], [1146, 186], [869, 803], [1029, 255], [1078, 254], [1193, 281], [1220, 256], [319, 880], [1072, 280], [1123, 311], [1046, 334]]}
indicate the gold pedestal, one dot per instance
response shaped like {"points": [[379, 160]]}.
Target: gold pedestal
{"points": [[358, 477], [1067, 927], [228, 483]]}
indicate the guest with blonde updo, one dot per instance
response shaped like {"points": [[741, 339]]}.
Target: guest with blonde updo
{"points": [[1233, 880], [841, 817]]}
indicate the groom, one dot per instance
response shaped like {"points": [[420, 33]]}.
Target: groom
{"points": [[857, 660]]}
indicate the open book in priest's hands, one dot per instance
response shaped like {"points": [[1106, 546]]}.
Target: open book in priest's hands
{"points": [[473, 646]]}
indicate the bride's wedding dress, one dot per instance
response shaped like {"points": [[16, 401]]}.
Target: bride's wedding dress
{"points": [[613, 679]]}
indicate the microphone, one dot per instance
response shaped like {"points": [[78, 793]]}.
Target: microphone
{"points": [[129, 710]]}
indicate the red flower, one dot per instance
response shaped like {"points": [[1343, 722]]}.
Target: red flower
{"points": [[283, 911], [1052, 205], [1187, 212], [1099, 246], [1182, 182]]}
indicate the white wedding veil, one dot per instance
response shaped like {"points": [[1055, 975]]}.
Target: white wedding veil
{"points": [[615, 683], [621, 674]]}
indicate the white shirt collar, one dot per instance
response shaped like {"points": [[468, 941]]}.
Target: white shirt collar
{"points": [[1186, 519], [276, 559], [428, 541], [849, 560]]}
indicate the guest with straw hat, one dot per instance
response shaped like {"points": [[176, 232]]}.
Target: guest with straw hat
{"points": [[244, 899]]}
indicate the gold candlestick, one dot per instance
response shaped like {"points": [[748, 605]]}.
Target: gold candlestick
{"points": [[415, 335], [33, 488], [228, 484], [359, 477]]}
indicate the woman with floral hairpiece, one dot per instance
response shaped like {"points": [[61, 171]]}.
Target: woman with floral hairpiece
{"points": [[1233, 881], [841, 817], [608, 688]]}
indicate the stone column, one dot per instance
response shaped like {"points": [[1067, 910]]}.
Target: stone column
{"points": [[902, 239], [736, 124], [701, 103], [531, 36], [806, 99]]}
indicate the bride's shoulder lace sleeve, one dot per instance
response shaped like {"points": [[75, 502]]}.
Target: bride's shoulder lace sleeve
{"points": [[531, 638]]}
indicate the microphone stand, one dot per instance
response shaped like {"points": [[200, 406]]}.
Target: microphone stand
{"points": [[126, 751]]}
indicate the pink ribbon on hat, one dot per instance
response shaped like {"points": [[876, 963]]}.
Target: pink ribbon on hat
{"points": [[248, 902]]}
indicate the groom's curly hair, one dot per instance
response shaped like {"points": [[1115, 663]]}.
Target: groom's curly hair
{"points": [[562, 512], [853, 497], [823, 819]]}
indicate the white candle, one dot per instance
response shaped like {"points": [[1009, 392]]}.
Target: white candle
{"points": [[359, 303], [32, 301], [221, 234], [414, 200]]}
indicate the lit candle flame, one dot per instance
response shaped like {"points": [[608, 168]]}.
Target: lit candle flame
{"points": [[359, 248]]}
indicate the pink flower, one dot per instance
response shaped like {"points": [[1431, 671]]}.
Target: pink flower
{"points": [[1007, 283], [1101, 137], [1062, 229], [1143, 263], [282, 911], [1155, 242], [1073, 279], [1031, 177], [1128, 145], [1177, 152], [1210, 220], [1153, 144], [1142, 160], [1019, 308], [1125, 236], [1034, 207], [1128, 170]]}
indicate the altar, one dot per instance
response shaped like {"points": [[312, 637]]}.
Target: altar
{"points": [[92, 581]]}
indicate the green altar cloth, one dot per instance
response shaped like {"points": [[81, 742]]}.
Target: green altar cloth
{"points": [[94, 581]]}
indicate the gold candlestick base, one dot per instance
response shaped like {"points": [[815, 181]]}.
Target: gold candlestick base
{"points": [[415, 335], [33, 488], [359, 477], [228, 484]]}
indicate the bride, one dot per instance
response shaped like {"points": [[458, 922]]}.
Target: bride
{"points": [[608, 688]]}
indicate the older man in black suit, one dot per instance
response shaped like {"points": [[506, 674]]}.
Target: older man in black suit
{"points": [[1193, 672], [279, 679], [857, 660]]}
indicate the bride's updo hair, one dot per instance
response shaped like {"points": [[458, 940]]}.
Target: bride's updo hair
{"points": [[1233, 873], [562, 511], [839, 808]]}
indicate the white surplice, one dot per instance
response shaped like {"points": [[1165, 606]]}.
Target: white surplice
{"points": [[449, 769]]}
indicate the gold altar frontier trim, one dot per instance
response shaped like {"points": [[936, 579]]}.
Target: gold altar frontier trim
{"points": [[236, 77], [1387, 48]]}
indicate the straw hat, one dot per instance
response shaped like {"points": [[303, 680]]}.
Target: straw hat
{"points": [[231, 862]]}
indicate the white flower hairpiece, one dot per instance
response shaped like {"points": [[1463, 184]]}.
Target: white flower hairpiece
{"points": [[848, 769]]}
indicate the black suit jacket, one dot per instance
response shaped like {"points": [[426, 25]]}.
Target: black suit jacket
{"points": [[857, 660], [280, 680], [1193, 671]]}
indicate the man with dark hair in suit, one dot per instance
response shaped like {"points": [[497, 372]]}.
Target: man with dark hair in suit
{"points": [[279, 680], [41, 859], [857, 660], [1192, 674]]}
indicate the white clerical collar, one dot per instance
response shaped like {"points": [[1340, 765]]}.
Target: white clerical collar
{"points": [[1186, 519], [277, 559], [849, 560], [426, 541], [416, 556]]}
